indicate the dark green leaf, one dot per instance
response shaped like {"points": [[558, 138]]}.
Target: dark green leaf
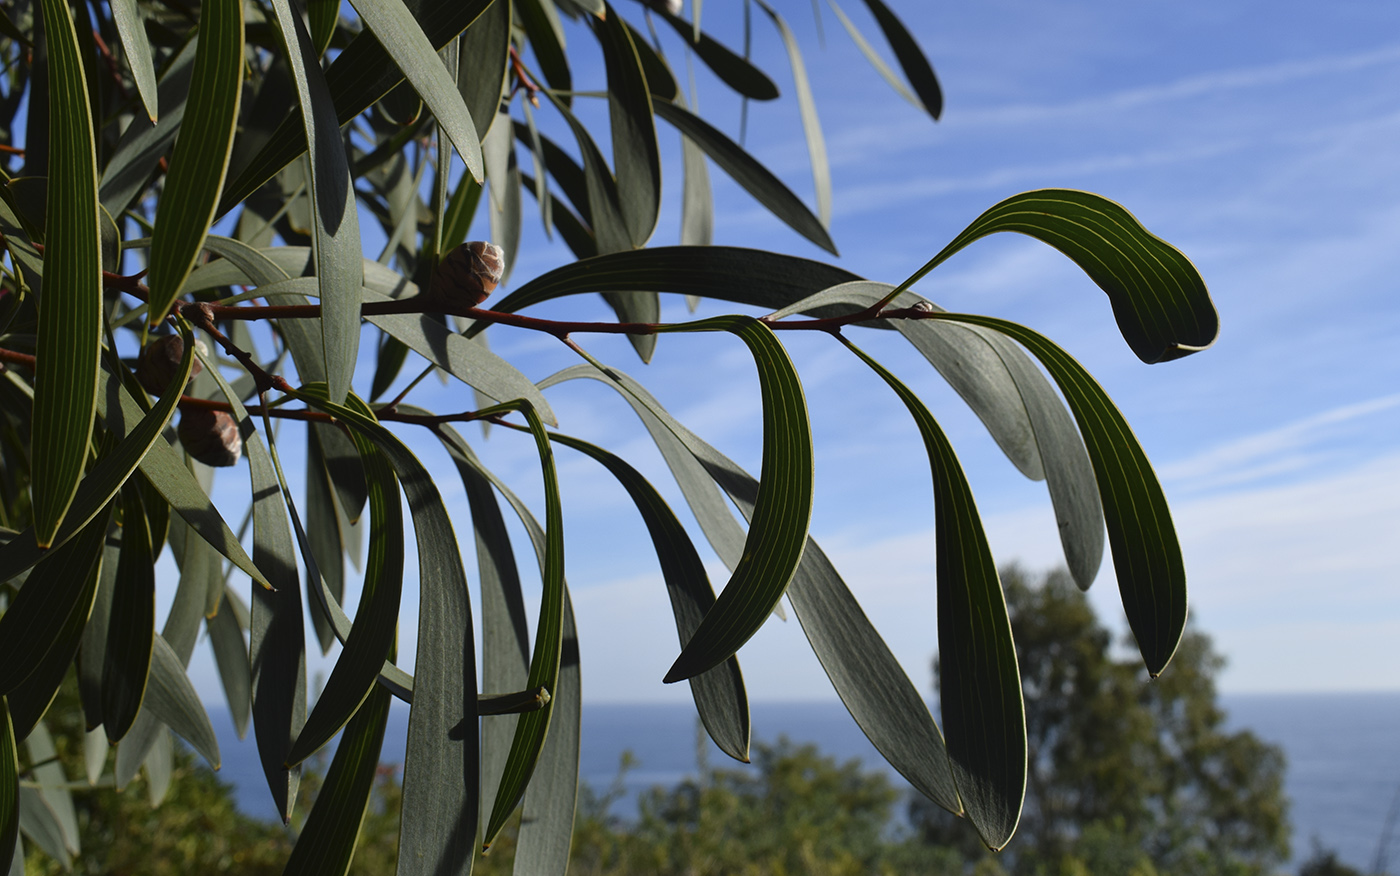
{"points": [[327, 841], [547, 41], [637, 307], [782, 510], [376, 618], [636, 156], [735, 71], [322, 16], [70, 314], [547, 815], [323, 523], [461, 209], [483, 61], [9, 784], [92, 653], [1146, 554], [660, 82], [533, 727], [756, 179], [979, 682], [137, 51], [697, 203], [231, 657], [133, 624], [728, 273], [36, 617], [911, 58], [603, 213], [1158, 298], [200, 159]]}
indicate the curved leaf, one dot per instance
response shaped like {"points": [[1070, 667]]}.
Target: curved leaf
{"points": [[137, 51], [1146, 554], [70, 312], [144, 143], [542, 28], [231, 657], [376, 619], [36, 617], [979, 681], [533, 727], [603, 213], [728, 273], [200, 159], [756, 179], [1158, 297], [782, 511], [483, 62], [930, 96], [327, 840], [911, 58], [719, 694], [636, 156], [9, 784]]}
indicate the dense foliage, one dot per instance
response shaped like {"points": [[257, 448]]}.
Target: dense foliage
{"points": [[147, 124]]}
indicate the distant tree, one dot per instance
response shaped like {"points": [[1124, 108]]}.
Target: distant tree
{"points": [[1323, 862], [1128, 774]]}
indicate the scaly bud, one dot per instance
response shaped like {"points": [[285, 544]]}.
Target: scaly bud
{"points": [[470, 272], [210, 436]]}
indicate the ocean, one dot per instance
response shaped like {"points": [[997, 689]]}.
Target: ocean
{"points": [[1343, 751]]}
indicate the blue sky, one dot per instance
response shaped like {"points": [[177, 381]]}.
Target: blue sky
{"points": [[1260, 139]]}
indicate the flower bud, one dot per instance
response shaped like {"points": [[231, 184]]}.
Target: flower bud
{"points": [[470, 272], [210, 436], [159, 362]]}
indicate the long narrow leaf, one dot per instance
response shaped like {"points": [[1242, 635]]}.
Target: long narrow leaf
{"points": [[911, 58], [335, 218], [756, 179], [200, 159], [327, 841], [636, 156], [133, 625], [137, 51], [807, 107], [144, 143], [9, 784], [782, 511], [172, 699], [231, 657], [979, 681], [1158, 297], [376, 619], [70, 313], [416, 55], [533, 727], [735, 71]]}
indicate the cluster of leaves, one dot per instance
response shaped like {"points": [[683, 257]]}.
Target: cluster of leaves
{"points": [[149, 119]]}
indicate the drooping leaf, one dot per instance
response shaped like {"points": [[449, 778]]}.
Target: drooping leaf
{"points": [[137, 51], [376, 619], [979, 681], [735, 71], [133, 624], [636, 156], [441, 763], [547, 814], [916, 67], [231, 657], [9, 784], [326, 844], [200, 160], [144, 143], [1158, 297], [547, 39], [48, 773], [172, 700], [807, 107], [930, 98], [697, 202], [335, 218], [37, 615], [533, 727], [93, 647], [756, 179], [603, 213], [70, 313], [719, 694], [1146, 553], [483, 62]]}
